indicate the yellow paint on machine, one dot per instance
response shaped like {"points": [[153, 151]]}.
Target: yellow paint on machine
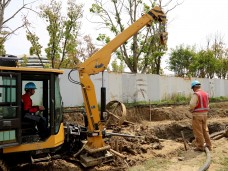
{"points": [[58, 71], [52, 142]]}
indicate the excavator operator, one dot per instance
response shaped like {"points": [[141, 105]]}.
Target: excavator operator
{"points": [[29, 111]]}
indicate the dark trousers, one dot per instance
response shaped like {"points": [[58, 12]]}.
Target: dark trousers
{"points": [[41, 123]]}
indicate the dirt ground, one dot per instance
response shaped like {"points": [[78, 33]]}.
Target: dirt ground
{"points": [[159, 144], [163, 148]]}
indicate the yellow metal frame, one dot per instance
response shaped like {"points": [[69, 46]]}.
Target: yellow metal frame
{"points": [[98, 62], [52, 142], [58, 71]]}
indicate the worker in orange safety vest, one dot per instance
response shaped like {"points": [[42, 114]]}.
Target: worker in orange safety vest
{"points": [[199, 106]]}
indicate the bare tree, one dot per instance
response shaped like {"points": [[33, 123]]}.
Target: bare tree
{"points": [[6, 31], [85, 48]]}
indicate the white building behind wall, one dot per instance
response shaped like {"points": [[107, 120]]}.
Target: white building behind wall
{"points": [[127, 87]]}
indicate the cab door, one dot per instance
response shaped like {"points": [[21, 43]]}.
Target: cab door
{"points": [[10, 102]]}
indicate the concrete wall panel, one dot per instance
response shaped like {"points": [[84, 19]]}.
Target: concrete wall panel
{"points": [[128, 88], [141, 92], [114, 87], [153, 87], [71, 93]]}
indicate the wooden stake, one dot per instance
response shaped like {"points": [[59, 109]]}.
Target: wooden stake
{"points": [[120, 146], [116, 145], [150, 110], [118, 154], [185, 144]]}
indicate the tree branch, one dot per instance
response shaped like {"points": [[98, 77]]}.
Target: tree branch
{"points": [[23, 6]]}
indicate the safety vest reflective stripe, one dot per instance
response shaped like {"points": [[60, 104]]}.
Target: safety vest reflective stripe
{"points": [[200, 109], [203, 103]]}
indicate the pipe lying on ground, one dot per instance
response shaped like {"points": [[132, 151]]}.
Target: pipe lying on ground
{"points": [[208, 161], [218, 137], [220, 134], [216, 134]]}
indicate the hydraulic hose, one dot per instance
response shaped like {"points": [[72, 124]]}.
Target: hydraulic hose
{"points": [[208, 161]]}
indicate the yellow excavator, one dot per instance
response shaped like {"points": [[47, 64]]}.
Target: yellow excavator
{"points": [[84, 143]]}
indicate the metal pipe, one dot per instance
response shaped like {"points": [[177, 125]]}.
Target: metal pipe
{"points": [[217, 133], [208, 161]]}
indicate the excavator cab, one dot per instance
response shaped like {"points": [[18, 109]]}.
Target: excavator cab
{"points": [[12, 78], [16, 135]]}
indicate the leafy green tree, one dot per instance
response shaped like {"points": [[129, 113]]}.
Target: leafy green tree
{"points": [[181, 59], [206, 64], [2, 41], [36, 47], [225, 68], [24, 61], [225, 64], [221, 69], [218, 47], [141, 52], [116, 67], [220, 53], [63, 32], [153, 52]]}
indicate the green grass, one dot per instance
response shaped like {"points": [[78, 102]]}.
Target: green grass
{"points": [[173, 99], [218, 99]]}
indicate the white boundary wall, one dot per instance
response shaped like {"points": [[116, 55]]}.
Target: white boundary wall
{"points": [[127, 87]]}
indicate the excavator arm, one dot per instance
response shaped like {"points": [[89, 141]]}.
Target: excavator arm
{"points": [[98, 62]]}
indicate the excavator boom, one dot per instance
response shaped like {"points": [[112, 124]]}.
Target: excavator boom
{"points": [[98, 62]]}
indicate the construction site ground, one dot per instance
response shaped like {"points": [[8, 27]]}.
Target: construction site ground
{"points": [[160, 145]]}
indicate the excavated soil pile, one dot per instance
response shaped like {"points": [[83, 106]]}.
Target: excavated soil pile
{"points": [[158, 131]]}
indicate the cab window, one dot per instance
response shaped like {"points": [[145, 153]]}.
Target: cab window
{"points": [[8, 96], [37, 98], [58, 106]]}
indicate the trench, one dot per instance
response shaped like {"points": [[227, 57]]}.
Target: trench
{"points": [[167, 122]]}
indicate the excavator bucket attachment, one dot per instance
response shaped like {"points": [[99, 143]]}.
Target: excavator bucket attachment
{"points": [[87, 160], [93, 157], [159, 14]]}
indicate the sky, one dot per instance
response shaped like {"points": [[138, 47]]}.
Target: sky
{"points": [[196, 20], [190, 23]]}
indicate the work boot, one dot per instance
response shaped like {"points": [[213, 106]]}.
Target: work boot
{"points": [[209, 147]]}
